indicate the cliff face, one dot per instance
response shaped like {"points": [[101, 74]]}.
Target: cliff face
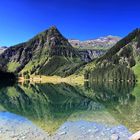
{"points": [[2, 49], [35, 54], [88, 55]]}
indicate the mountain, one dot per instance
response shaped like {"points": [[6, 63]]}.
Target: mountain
{"points": [[2, 49], [48, 53], [99, 43], [94, 48], [122, 61]]}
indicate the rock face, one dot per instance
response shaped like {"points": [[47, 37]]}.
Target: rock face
{"points": [[2, 49], [36, 54], [89, 55]]}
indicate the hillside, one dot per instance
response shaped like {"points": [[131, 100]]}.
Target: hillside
{"points": [[47, 53], [120, 61]]}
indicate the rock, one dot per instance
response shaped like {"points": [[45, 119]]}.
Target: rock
{"points": [[83, 128], [135, 136], [89, 130], [115, 137], [64, 127], [92, 136], [63, 133]]}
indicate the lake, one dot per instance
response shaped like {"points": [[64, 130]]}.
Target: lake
{"points": [[97, 110]]}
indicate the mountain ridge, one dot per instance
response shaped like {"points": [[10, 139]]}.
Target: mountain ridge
{"points": [[36, 54], [102, 42], [121, 61], [50, 53]]}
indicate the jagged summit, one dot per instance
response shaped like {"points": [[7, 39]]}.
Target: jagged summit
{"points": [[53, 27], [55, 38], [51, 38]]}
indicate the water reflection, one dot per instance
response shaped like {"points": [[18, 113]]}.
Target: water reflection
{"points": [[112, 92], [51, 105], [47, 105], [121, 100]]}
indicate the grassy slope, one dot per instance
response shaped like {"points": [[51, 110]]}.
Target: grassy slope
{"points": [[61, 66], [137, 71], [12, 66], [89, 66], [39, 58]]}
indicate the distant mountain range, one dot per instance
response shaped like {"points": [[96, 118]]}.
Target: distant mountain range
{"points": [[99, 43], [89, 49], [94, 48]]}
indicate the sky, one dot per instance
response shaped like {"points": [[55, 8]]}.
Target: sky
{"points": [[20, 20]]}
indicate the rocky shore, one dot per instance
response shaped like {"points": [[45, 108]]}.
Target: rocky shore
{"points": [[82, 130], [14, 127]]}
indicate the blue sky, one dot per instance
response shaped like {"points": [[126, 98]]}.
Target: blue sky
{"points": [[20, 20]]}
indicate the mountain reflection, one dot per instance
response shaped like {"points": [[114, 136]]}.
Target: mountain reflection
{"points": [[112, 92], [50, 105]]}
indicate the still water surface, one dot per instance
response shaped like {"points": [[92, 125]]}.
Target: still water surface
{"points": [[48, 107]]}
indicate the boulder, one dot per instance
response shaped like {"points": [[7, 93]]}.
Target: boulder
{"points": [[135, 136]]}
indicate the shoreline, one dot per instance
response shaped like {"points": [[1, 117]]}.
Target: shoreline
{"points": [[22, 128], [73, 80]]}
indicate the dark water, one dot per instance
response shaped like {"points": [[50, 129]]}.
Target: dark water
{"points": [[49, 106]]}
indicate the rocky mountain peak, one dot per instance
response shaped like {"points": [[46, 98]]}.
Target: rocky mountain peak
{"points": [[45, 45], [53, 28], [56, 39]]}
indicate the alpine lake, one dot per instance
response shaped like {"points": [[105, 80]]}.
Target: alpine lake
{"points": [[48, 111]]}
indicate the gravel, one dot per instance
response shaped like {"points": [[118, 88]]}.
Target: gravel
{"points": [[14, 127]]}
